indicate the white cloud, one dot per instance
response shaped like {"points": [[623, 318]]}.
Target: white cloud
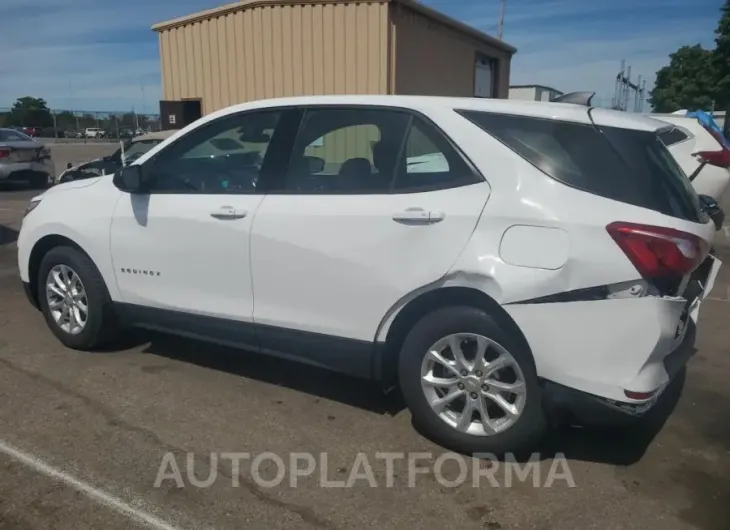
{"points": [[573, 60], [99, 54]]}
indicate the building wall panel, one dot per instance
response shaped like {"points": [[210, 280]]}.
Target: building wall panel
{"points": [[277, 50], [432, 59]]}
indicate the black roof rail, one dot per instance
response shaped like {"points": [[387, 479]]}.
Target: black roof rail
{"points": [[576, 98]]}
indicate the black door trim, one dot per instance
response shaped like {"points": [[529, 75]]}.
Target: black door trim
{"points": [[353, 357]]}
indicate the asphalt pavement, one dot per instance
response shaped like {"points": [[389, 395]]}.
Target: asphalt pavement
{"points": [[126, 438]]}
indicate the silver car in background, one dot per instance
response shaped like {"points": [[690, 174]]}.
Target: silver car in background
{"points": [[24, 159]]}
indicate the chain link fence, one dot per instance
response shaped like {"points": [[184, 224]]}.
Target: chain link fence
{"points": [[78, 125]]}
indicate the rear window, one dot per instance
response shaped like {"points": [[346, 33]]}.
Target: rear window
{"points": [[673, 136], [625, 165]]}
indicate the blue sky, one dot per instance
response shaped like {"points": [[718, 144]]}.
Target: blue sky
{"points": [[102, 55]]}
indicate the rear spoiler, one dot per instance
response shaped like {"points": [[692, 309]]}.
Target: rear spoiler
{"points": [[575, 98]]}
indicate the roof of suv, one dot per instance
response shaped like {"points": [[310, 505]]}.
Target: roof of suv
{"points": [[537, 109]]}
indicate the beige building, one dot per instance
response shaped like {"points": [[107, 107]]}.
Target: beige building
{"points": [[258, 49]]}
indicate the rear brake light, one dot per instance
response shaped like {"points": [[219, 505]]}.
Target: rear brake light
{"points": [[716, 158], [659, 252], [639, 395], [4, 153]]}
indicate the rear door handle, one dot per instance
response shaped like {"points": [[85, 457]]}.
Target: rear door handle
{"points": [[418, 216], [229, 212]]}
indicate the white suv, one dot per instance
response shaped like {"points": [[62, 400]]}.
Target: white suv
{"points": [[700, 151], [500, 260]]}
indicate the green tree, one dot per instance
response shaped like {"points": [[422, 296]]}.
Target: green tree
{"points": [[687, 82], [31, 112], [721, 58]]}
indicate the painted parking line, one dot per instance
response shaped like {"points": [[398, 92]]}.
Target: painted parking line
{"points": [[95, 494], [720, 299]]}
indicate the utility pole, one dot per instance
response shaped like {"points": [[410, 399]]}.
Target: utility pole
{"points": [[501, 18]]}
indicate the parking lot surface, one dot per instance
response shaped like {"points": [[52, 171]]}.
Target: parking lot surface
{"points": [[84, 436]]}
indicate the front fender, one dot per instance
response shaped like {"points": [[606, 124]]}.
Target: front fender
{"points": [[77, 212]]}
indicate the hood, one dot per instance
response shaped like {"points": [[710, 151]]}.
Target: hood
{"points": [[81, 166], [72, 185]]}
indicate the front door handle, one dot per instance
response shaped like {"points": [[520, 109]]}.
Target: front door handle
{"points": [[418, 216], [229, 212]]}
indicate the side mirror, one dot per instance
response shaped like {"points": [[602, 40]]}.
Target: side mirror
{"points": [[69, 165], [315, 164], [130, 179]]}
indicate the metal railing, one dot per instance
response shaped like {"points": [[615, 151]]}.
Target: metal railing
{"points": [[71, 125]]}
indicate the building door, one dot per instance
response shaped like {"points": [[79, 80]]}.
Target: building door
{"points": [[484, 77]]}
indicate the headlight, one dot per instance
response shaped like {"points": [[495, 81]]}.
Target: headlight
{"points": [[32, 205]]}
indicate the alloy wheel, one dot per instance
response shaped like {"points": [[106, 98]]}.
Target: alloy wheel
{"points": [[473, 384], [67, 300]]}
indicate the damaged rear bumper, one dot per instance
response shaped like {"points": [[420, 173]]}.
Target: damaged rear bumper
{"points": [[588, 409], [616, 354]]}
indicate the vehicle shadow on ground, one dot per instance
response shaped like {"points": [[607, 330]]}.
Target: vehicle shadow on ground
{"points": [[621, 446], [282, 372], [19, 187], [616, 445], [7, 235]]}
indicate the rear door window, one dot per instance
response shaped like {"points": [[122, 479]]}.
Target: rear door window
{"points": [[625, 165]]}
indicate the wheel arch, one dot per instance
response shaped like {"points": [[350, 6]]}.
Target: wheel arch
{"points": [[398, 323], [40, 249]]}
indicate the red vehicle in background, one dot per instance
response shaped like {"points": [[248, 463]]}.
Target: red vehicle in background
{"points": [[30, 131]]}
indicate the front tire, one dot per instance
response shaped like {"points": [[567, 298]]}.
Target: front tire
{"points": [[74, 299], [469, 385]]}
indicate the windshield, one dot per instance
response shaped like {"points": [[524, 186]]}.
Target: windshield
{"points": [[9, 135], [134, 150]]}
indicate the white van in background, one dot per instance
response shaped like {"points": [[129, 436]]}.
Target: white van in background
{"points": [[93, 132]]}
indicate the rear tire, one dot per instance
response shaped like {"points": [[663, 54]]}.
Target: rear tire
{"points": [[38, 181], [76, 283], [469, 329]]}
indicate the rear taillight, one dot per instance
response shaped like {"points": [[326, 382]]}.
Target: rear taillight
{"points": [[659, 252], [716, 158], [4, 153]]}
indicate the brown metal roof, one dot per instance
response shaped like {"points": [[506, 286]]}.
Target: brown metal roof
{"points": [[410, 4]]}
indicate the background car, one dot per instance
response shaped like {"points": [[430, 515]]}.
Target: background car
{"points": [[133, 149], [23, 158], [700, 150]]}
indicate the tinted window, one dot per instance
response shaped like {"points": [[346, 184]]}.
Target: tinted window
{"points": [[620, 164], [431, 161], [134, 150], [672, 137], [223, 156], [346, 150]]}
